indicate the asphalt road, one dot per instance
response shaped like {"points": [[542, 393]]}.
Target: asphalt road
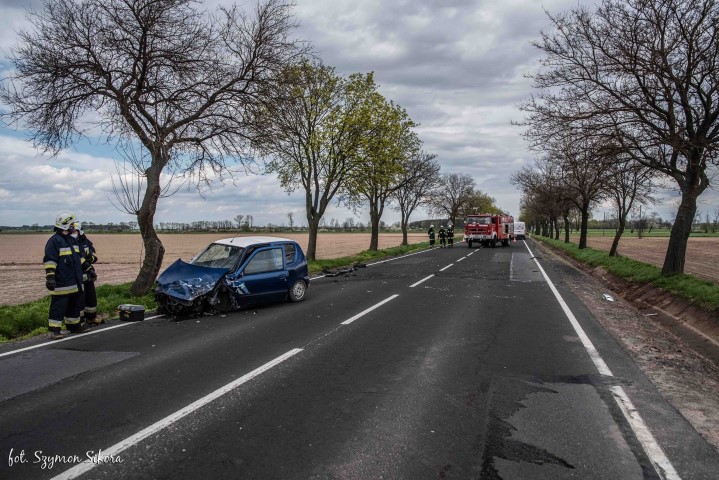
{"points": [[451, 363]]}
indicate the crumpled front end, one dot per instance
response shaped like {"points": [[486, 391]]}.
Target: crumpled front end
{"points": [[184, 288]]}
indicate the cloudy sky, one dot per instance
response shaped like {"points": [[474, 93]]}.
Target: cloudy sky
{"points": [[457, 66]]}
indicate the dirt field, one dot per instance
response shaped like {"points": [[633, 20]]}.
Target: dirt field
{"points": [[702, 252], [22, 278]]}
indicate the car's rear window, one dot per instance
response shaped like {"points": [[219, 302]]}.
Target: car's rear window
{"points": [[219, 256], [290, 252]]}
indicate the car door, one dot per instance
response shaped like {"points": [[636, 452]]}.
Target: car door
{"points": [[264, 276]]}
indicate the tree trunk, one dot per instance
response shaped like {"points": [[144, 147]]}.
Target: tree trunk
{"points": [[405, 224], [314, 225], [374, 237], [618, 235], [556, 229], [566, 228], [677, 248], [583, 229], [154, 251]]}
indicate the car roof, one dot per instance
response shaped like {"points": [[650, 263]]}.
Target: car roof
{"points": [[245, 242]]}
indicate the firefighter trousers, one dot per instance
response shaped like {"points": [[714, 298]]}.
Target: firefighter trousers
{"points": [[89, 307], [65, 308]]}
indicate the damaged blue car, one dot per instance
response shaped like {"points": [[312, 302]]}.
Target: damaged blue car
{"points": [[234, 273]]}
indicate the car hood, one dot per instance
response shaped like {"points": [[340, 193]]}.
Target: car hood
{"points": [[186, 281]]}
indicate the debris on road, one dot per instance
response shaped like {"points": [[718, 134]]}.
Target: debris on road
{"points": [[343, 270]]}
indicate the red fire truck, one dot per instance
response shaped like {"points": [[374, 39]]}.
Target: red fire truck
{"points": [[488, 229]]}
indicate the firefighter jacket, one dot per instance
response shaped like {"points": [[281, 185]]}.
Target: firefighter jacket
{"points": [[442, 232], [64, 261], [450, 232], [430, 232], [88, 252]]}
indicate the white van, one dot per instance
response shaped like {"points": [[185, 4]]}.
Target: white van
{"points": [[519, 231]]}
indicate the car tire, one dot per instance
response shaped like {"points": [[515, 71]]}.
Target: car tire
{"points": [[297, 291]]}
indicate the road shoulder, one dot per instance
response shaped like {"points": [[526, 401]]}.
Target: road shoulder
{"points": [[687, 377]]}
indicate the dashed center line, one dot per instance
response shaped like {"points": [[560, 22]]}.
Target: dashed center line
{"points": [[445, 268], [423, 280], [365, 312]]}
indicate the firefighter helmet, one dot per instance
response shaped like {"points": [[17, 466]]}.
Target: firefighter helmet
{"points": [[77, 225], [64, 220]]}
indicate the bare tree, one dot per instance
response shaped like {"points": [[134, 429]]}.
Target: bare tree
{"points": [[160, 73], [452, 194], [290, 219], [631, 184], [646, 73], [419, 178]]}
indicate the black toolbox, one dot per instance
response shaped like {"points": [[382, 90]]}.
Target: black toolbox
{"points": [[131, 313]]}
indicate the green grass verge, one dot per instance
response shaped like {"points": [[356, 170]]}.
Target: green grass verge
{"points": [[30, 319], [702, 292]]}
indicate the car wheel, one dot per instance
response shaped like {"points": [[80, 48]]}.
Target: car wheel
{"points": [[297, 291]]}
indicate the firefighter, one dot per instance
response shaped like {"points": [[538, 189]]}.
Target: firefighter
{"points": [[64, 268], [88, 313], [450, 234], [430, 232], [442, 237]]}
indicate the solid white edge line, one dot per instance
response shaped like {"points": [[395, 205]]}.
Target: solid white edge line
{"points": [[588, 345], [656, 455], [423, 280], [72, 336], [114, 450], [445, 268], [365, 312]]}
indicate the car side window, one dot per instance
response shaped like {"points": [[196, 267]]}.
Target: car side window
{"points": [[289, 253], [265, 261]]}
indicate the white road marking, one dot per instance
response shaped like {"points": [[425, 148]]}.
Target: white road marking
{"points": [[114, 450], [423, 280], [397, 258], [445, 268], [365, 312], [73, 336], [656, 455], [460, 259]]}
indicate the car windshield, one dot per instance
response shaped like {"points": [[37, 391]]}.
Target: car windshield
{"points": [[219, 256], [479, 220]]}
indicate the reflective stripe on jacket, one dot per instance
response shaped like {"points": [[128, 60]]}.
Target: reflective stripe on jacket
{"points": [[64, 261]]}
